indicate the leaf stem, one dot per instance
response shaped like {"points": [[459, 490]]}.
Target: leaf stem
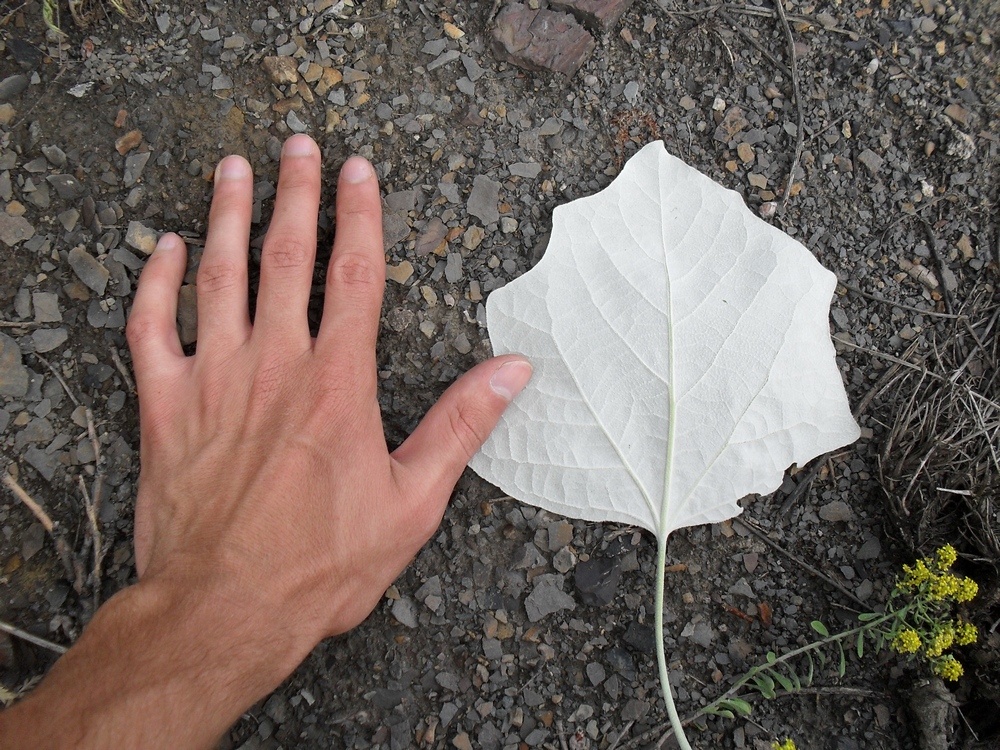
{"points": [[661, 656]]}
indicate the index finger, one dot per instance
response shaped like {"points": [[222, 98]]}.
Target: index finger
{"points": [[356, 275]]}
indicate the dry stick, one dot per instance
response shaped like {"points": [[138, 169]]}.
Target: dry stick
{"points": [[621, 734], [22, 324], [91, 500], [757, 45], [758, 532], [73, 569], [37, 510], [939, 265], [24, 635], [799, 134], [123, 369], [901, 305], [59, 377]]}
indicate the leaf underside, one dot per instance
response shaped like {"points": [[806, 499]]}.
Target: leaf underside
{"points": [[682, 356]]}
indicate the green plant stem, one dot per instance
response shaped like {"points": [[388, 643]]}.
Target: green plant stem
{"points": [[661, 656], [815, 645]]}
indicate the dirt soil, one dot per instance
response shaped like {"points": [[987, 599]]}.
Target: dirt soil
{"points": [[895, 191]]}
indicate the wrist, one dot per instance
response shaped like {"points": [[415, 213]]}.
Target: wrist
{"points": [[164, 663]]}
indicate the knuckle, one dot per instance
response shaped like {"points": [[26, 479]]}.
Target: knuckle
{"points": [[141, 329], [217, 276], [467, 425], [285, 253], [354, 270]]}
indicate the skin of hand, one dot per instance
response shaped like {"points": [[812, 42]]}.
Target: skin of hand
{"points": [[270, 513]]}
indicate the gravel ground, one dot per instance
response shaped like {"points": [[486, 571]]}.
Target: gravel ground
{"points": [[514, 628]]}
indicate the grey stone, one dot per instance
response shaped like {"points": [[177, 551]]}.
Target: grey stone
{"points": [[527, 169], [55, 155], [551, 126], [44, 463], [67, 186], [294, 123], [840, 318], [402, 200], [461, 344], [466, 86], [560, 534], [596, 673], [395, 228], [13, 374], [14, 229], [836, 511], [32, 541], [484, 199], [453, 268], [69, 218], [12, 86], [597, 580], [472, 68], [443, 59], [405, 611], [634, 710], [47, 339], [871, 160], [564, 560], [88, 269], [46, 306], [640, 637], [631, 92], [492, 649], [277, 708], [134, 165], [547, 598], [435, 47], [450, 191], [870, 550]]}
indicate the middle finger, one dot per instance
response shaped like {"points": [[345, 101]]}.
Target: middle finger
{"points": [[286, 264]]}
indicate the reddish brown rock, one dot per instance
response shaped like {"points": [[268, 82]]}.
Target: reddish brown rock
{"points": [[541, 39], [599, 15]]}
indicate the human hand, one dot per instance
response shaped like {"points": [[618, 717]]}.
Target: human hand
{"points": [[265, 477], [270, 513]]}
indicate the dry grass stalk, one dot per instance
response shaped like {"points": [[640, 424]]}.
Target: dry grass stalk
{"points": [[940, 466]]}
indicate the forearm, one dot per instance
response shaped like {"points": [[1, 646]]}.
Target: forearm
{"points": [[156, 667]]}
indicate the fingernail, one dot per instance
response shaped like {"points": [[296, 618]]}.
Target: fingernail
{"points": [[299, 145], [166, 242], [356, 169], [510, 378], [232, 168]]}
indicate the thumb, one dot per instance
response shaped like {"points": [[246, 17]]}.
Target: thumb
{"points": [[437, 452]]}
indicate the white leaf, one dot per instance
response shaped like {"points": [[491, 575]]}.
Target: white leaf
{"points": [[682, 356]]}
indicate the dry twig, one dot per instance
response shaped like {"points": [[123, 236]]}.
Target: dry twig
{"points": [[73, 568], [24, 635], [799, 132]]}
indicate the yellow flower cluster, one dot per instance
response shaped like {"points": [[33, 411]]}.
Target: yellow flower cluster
{"points": [[907, 641], [930, 576], [942, 639], [965, 633], [933, 590], [948, 668], [788, 744]]}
